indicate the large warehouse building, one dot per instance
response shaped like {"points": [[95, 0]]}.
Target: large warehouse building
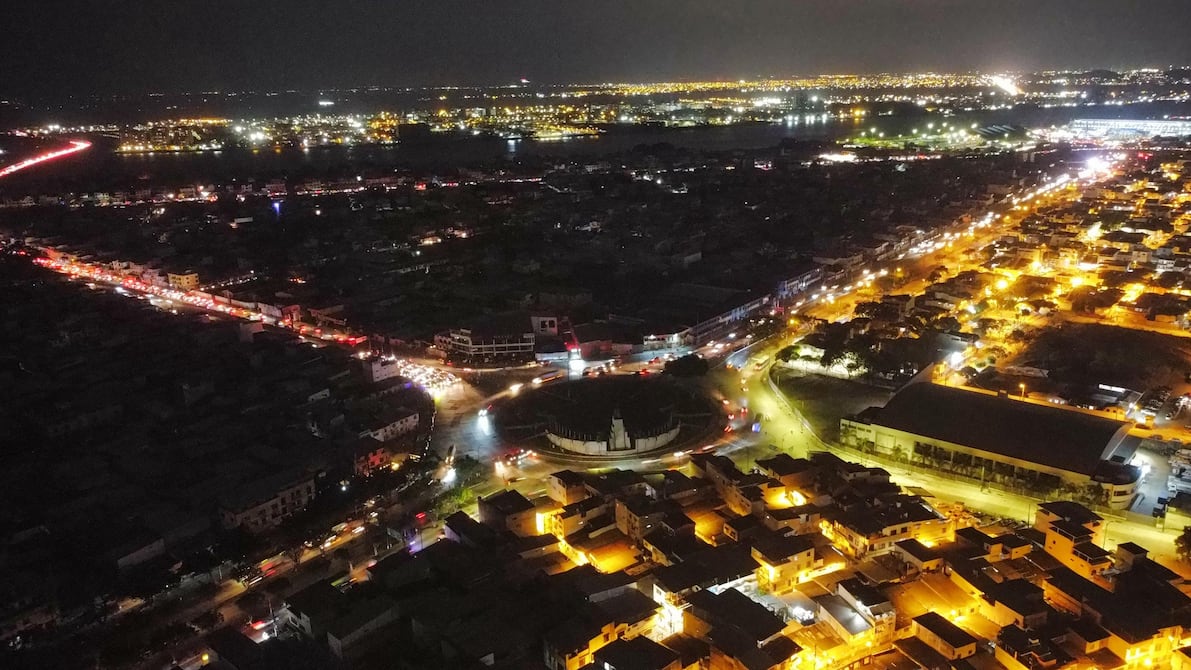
{"points": [[1000, 439]]}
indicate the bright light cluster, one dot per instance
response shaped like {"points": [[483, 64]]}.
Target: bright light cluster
{"points": [[430, 378], [192, 298]]}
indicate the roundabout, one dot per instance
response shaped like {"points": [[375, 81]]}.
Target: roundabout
{"points": [[611, 418]]}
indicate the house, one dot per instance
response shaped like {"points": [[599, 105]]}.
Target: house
{"points": [[509, 510], [1021, 649], [598, 623], [388, 423], [859, 614], [1073, 536], [876, 525], [616, 482], [638, 653], [943, 636], [783, 560], [743, 634], [465, 530], [365, 455], [262, 504], [566, 487], [1143, 613], [637, 516], [918, 555], [744, 493], [797, 474], [358, 619]]}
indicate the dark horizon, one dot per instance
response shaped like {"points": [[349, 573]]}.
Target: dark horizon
{"points": [[59, 49]]}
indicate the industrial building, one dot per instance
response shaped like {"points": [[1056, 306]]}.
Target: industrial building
{"points": [[1000, 439]]}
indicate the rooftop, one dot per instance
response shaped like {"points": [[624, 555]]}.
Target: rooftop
{"points": [[733, 608], [639, 653], [950, 633], [1070, 511], [508, 502], [784, 464], [844, 614], [1059, 438], [916, 549], [776, 549]]}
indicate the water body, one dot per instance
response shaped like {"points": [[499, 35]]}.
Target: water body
{"points": [[103, 168]]}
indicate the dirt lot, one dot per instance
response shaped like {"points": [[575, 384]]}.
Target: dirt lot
{"points": [[824, 400]]}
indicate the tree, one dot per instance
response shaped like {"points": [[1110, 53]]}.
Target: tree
{"points": [[866, 309], [854, 365], [1171, 279], [832, 356], [948, 324], [468, 470], [687, 366], [1182, 544]]}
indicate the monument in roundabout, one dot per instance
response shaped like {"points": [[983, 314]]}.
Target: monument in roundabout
{"points": [[612, 417], [616, 439]]}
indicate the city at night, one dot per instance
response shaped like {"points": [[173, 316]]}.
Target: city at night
{"points": [[653, 335]]}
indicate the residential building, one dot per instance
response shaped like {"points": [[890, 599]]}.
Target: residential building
{"points": [[185, 280], [509, 510], [389, 423], [943, 636], [263, 504], [783, 560]]}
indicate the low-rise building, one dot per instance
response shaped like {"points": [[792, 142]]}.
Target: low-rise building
{"points": [[509, 510], [389, 423], [783, 560], [566, 487], [877, 525], [918, 555], [1073, 536], [184, 280], [495, 339], [944, 637], [262, 504]]}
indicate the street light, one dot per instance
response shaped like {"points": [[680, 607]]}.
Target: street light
{"points": [[1023, 390]]}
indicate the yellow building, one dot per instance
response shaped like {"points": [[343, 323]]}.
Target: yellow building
{"points": [[783, 561], [1073, 536], [187, 280]]}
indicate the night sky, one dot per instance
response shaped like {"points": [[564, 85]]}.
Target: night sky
{"points": [[56, 47]]}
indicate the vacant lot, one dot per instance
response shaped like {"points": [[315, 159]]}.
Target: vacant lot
{"points": [[824, 400], [1087, 353]]}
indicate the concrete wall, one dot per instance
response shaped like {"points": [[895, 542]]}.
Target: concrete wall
{"points": [[600, 448]]}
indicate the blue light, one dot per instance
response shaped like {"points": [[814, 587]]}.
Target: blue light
{"points": [[277, 207]]}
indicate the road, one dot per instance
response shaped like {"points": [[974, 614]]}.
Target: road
{"points": [[75, 147]]}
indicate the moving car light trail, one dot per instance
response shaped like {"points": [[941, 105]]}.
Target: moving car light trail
{"points": [[75, 147]]}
